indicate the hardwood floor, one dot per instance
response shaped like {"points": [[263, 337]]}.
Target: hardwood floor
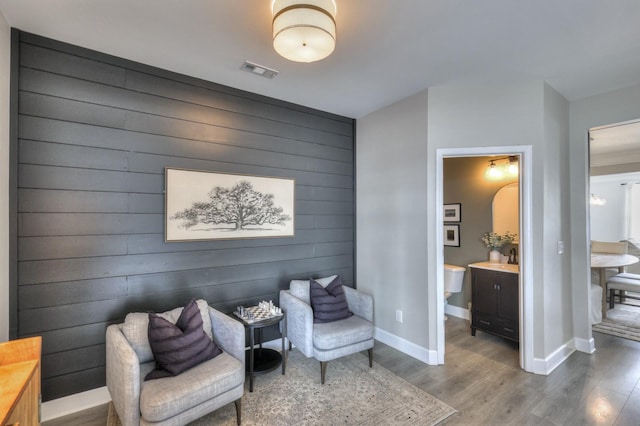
{"points": [[481, 378]]}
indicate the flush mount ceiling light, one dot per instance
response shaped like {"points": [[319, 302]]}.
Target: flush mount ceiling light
{"points": [[304, 31]]}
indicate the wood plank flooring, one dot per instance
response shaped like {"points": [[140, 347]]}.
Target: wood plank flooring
{"points": [[482, 379]]}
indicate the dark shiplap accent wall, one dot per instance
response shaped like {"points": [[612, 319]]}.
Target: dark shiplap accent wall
{"points": [[94, 136]]}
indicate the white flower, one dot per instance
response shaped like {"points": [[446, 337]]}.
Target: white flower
{"points": [[495, 241]]}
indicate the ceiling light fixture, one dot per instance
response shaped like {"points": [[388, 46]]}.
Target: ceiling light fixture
{"points": [[594, 200], [510, 169], [304, 31], [493, 172]]}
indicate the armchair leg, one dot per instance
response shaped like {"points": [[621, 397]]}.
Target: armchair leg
{"points": [[238, 403], [290, 345], [370, 357], [323, 371]]}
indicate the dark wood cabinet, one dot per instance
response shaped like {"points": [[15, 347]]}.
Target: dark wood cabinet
{"points": [[494, 303]]}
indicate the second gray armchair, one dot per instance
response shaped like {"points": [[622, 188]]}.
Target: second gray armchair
{"points": [[329, 340]]}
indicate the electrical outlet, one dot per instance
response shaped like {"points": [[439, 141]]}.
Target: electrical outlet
{"points": [[398, 315]]}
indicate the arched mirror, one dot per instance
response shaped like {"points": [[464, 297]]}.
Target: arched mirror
{"points": [[506, 213]]}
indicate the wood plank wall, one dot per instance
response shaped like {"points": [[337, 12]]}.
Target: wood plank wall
{"points": [[95, 133]]}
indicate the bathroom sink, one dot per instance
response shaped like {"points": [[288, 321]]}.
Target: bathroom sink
{"points": [[502, 267]]}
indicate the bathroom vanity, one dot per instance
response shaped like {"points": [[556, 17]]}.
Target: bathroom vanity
{"points": [[494, 299]]}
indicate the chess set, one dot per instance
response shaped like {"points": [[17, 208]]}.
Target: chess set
{"points": [[263, 311]]}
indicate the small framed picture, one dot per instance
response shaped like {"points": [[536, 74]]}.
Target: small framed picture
{"points": [[452, 235], [452, 212]]}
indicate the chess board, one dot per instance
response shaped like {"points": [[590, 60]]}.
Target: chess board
{"points": [[257, 313]]}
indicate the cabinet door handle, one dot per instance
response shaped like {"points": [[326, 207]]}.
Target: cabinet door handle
{"points": [[508, 329], [485, 322]]}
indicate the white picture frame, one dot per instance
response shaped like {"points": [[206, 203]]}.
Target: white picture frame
{"points": [[451, 236]]}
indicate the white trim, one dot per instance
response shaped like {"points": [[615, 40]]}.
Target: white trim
{"points": [[585, 345], [547, 365], [406, 347], [74, 403], [526, 245], [457, 312]]}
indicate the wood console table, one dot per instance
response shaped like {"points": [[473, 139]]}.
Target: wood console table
{"points": [[20, 381]]}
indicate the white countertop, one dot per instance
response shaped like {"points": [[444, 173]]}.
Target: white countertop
{"points": [[500, 267]]}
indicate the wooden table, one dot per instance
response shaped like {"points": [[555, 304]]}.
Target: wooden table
{"points": [[20, 381], [603, 261]]}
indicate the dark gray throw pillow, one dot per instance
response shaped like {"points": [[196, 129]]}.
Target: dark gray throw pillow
{"points": [[180, 346], [328, 303]]}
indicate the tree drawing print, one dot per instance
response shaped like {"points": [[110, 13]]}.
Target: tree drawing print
{"points": [[240, 206]]}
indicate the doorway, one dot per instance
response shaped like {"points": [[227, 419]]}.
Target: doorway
{"points": [[614, 219], [525, 244]]}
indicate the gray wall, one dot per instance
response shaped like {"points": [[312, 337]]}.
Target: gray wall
{"points": [[464, 182], [95, 134], [392, 211], [613, 107]]}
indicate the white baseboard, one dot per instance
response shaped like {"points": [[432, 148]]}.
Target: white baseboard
{"points": [[585, 345], [457, 312], [407, 347], [547, 365], [73, 403]]}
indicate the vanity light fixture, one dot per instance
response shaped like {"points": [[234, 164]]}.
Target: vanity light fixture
{"points": [[494, 172], [512, 168], [304, 31], [498, 171]]}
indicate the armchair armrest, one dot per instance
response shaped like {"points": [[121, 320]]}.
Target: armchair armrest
{"points": [[123, 376], [299, 322], [228, 333], [361, 304]]}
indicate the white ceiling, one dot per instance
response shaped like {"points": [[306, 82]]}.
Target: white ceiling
{"points": [[386, 49]]}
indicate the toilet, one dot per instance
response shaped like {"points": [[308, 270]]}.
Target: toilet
{"points": [[453, 278]]}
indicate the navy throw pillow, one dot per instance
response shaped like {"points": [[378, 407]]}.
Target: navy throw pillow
{"points": [[180, 346], [328, 303]]}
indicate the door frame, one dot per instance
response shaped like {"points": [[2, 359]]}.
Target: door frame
{"points": [[526, 244]]}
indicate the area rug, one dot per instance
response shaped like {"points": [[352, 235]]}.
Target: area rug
{"points": [[622, 321], [353, 394]]}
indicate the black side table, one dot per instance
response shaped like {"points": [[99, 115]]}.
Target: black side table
{"points": [[263, 360]]}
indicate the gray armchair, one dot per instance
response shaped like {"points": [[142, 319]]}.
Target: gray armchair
{"points": [[328, 341], [180, 399]]}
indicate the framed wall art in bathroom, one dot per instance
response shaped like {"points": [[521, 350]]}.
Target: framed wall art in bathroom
{"points": [[452, 235], [452, 212]]}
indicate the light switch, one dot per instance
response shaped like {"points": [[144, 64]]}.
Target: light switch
{"points": [[560, 247]]}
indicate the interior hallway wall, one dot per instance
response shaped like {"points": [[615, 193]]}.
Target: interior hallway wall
{"points": [[391, 146], [612, 107], [507, 115]]}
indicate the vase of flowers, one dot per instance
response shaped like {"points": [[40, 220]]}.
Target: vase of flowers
{"points": [[495, 242]]}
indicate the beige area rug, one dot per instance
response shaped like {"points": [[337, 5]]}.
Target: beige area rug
{"points": [[622, 321], [353, 394]]}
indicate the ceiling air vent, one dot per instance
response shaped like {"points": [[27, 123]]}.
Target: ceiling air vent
{"points": [[260, 70]]}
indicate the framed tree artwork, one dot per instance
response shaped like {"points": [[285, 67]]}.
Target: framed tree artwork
{"points": [[201, 205]]}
